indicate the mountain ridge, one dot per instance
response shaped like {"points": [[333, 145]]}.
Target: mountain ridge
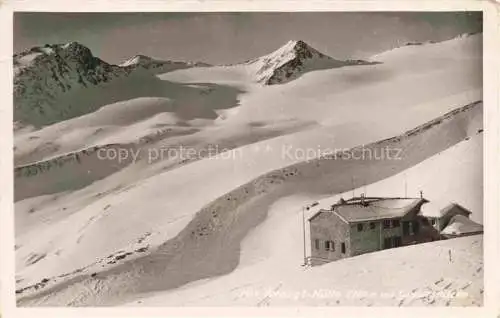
{"points": [[148, 62]]}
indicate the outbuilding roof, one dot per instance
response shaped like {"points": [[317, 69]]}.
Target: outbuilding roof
{"points": [[435, 210], [460, 225]]}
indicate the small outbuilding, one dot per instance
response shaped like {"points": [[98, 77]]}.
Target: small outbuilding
{"points": [[441, 217], [460, 225]]}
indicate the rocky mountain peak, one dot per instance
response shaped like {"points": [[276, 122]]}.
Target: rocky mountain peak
{"points": [[44, 73], [292, 60]]}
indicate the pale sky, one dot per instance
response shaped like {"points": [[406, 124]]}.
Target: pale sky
{"points": [[220, 38]]}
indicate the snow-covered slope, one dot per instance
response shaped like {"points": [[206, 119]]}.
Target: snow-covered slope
{"points": [[335, 96], [197, 246], [398, 277], [436, 177], [292, 60], [141, 224]]}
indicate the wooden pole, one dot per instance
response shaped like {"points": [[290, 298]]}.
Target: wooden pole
{"points": [[380, 245], [406, 188], [353, 186], [304, 233]]}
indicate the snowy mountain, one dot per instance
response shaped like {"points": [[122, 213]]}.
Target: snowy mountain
{"points": [[158, 66], [292, 60], [43, 74], [61, 81]]}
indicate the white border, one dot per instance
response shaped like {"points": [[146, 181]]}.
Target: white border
{"points": [[491, 153]]}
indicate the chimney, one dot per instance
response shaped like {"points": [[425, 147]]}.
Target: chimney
{"points": [[362, 199]]}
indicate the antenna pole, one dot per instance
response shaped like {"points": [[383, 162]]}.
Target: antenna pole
{"points": [[304, 233], [406, 186], [353, 186], [366, 192]]}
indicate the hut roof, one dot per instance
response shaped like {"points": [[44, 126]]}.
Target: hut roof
{"points": [[370, 208]]}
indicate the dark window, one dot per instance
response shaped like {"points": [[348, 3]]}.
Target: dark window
{"points": [[416, 227], [387, 224], [316, 244], [360, 227], [397, 241], [372, 225], [410, 228], [387, 243], [406, 228], [342, 247], [329, 246], [395, 223], [433, 221]]}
